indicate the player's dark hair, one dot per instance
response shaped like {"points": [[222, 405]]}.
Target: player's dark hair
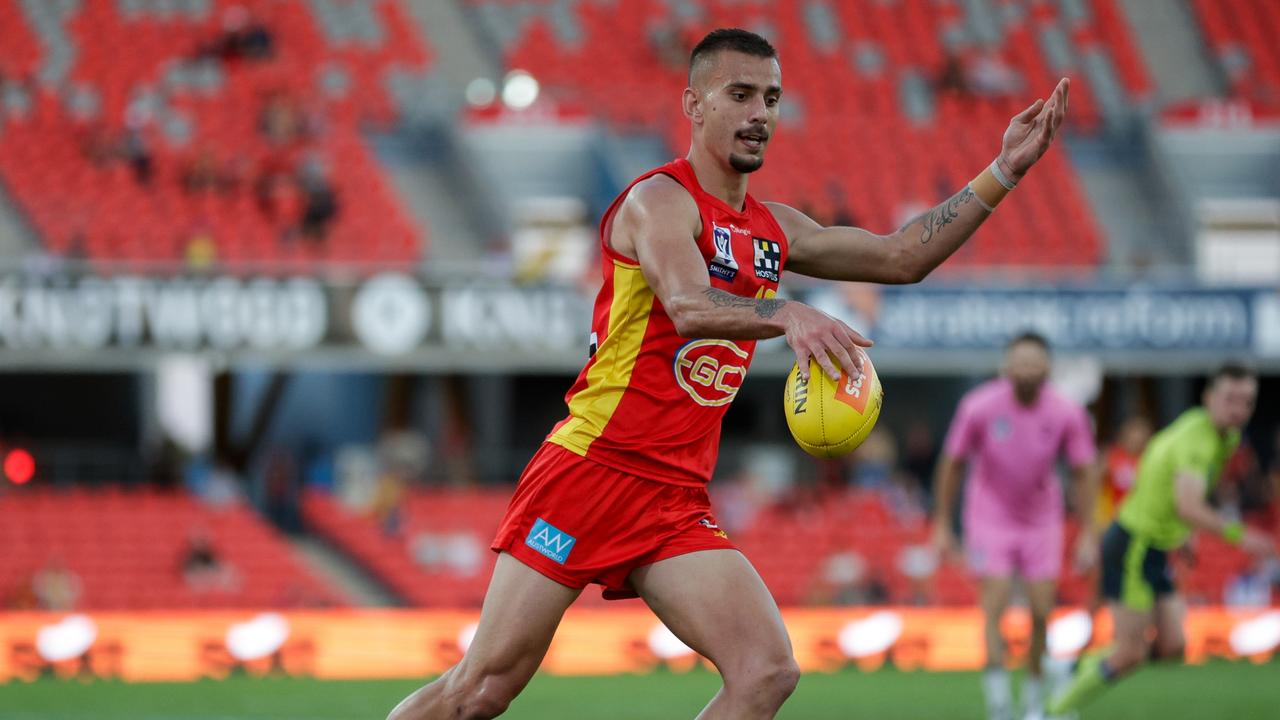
{"points": [[1029, 336], [735, 39], [1232, 370]]}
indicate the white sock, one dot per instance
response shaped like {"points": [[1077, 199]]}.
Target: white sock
{"points": [[995, 684], [1032, 694]]}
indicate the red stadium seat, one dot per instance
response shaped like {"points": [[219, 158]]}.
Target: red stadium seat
{"points": [[47, 171], [127, 550], [1241, 35]]}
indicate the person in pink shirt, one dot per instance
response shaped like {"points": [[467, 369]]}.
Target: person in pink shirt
{"points": [[1011, 432]]}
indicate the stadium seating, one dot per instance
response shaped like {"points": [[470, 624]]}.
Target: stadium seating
{"points": [[74, 72], [1240, 36], [864, 130], [127, 548], [439, 557]]}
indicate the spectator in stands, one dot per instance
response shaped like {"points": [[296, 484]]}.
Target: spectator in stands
{"points": [[98, 144], [875, 461], [951, 78], [55, 586], [243, 37], [216, 483], [918, 564], [276, 192], [281, 485], [1245, 489], [403, 456], [847, 579], [319, 200], [1121, 466], [283, 121], [201, 252], [203, 568], [203, 173], [1251, 588], [920, 455], [990, 76], [167, 464], [134, 147], [669, 47]]}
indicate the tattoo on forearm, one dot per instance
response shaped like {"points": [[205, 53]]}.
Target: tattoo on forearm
{"points": [[941, 216], [765, 308]]}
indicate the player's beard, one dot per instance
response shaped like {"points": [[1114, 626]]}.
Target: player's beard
{"points": [[1027, 391], [746, 163]]}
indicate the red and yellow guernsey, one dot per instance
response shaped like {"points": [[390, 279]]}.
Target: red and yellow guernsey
{"points": [[650, 402]]}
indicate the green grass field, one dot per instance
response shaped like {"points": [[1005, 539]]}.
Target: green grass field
{"points": [[1218, 691]]}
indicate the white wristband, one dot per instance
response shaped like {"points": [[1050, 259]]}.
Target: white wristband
{"points": [[1000, 176]]}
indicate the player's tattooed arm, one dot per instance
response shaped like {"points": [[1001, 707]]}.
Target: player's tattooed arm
{"points": [[765, 308], [941, 216], [906, 255]]}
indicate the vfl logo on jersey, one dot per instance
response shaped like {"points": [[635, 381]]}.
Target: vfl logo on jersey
{"points": [[550, 541], [768, 258], [711, 371], [723, 265]]}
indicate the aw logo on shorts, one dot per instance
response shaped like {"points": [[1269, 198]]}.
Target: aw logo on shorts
{"points": [[768, 258], [723, 265], [550, 541]]}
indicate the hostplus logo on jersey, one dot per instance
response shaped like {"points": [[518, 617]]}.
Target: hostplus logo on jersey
{"points": [[768, 258], [550, 541], [723, 265]]}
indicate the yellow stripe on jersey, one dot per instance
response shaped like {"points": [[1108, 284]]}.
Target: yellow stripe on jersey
{"points": [[610, 373]]}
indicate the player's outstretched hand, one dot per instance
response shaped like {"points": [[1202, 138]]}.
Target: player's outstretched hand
{"points": [[812, 333], [1257, 544], [1031, 131]]}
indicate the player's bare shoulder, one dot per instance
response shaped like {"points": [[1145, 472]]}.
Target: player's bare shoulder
{"points": [[655, 205]]}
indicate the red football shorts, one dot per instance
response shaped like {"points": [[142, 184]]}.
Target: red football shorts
{"points": [[579, 522]]}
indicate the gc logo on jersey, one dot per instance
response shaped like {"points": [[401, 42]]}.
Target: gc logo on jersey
{"points": [[723, 265], [768, 258], [711, 371]]}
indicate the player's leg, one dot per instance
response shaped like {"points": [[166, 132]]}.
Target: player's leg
{"points": [[1040, 599], [1171, 639], [716, 603], [1127, 574], [1040, 564], [521, 611], [991, 551], [996, 685]]}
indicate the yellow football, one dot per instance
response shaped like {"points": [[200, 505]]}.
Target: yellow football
{"points": [[828, 418]]}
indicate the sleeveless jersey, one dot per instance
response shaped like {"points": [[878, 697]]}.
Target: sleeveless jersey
{"points": [[650, 402]]}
